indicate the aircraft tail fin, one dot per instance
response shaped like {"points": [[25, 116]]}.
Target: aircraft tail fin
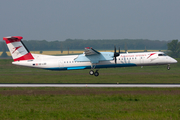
{"points": [[17, 48]]}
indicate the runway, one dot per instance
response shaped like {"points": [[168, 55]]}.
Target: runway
{"points": [[92, 85]]}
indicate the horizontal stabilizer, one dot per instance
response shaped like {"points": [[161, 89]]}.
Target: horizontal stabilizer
{"points": [[11, 39]]}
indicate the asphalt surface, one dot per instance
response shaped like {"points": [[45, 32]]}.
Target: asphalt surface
{"points": [[92, 85]]}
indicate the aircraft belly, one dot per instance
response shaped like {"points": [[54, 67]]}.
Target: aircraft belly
{"points": [[85, 66]]}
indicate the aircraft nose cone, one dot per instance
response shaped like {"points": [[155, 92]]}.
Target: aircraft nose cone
{"points": [[174, 61]]}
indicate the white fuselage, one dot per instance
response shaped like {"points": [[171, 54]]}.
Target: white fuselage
{"points": [[123, 60], [90, 59]]}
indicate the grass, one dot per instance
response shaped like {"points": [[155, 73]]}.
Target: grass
{"points": [[89, 103], [148, 74]]}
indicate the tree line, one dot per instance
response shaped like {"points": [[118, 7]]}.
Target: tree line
{"points": [[106, 44], [174, 47]]}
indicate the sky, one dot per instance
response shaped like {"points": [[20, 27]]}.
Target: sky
{"points": [[90, 19]]}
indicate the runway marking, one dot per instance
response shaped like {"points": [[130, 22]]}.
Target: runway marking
{"points": [[93, 85]]}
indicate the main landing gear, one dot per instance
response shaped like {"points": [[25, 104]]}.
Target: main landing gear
{"points": [[96, 73], [91, 72]]}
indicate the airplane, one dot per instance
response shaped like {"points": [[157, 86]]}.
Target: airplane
{"points": [[90, 59]]}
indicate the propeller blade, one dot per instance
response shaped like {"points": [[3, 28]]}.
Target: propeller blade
{"points": [[115, 60], [115, 54], [114, 49]]}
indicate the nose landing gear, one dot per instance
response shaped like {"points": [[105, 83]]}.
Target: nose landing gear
{"points": [[168, 66]]}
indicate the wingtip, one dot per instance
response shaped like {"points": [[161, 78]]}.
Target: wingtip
{"points": [[88, 47]]}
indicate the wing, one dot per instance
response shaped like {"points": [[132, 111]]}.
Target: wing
{"points": [[90, 51], [93, 56]]}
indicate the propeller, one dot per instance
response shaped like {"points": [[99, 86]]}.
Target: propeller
{"points": [[116, 54]]}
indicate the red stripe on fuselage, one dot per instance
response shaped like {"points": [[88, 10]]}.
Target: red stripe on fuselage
{"points": [[151, 55]]}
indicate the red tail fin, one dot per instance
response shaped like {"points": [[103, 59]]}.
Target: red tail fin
{"points": [[17, 49]]}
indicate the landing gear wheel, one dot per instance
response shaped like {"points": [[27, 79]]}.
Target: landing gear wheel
{"points": [[168, 67], [96, 74], [91, 72]]}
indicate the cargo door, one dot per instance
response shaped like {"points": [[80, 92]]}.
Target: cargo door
{"points": [[61, 63]]}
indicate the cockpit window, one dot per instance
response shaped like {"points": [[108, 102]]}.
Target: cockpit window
{"points": [[162, 55]]}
